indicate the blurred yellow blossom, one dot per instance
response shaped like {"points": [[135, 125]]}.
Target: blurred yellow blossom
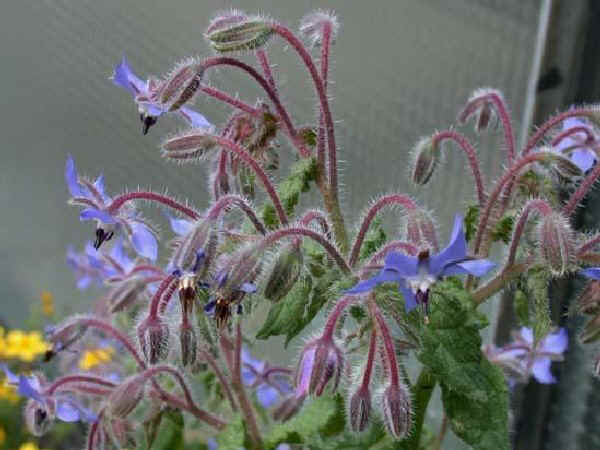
{"points": [[47, 300], [8, 392], [23, 345], [95, 357], [28, 446]]}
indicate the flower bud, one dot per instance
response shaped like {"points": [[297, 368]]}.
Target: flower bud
{"points": [[191, 144], [311, 26], [589, 299], [426, 157], [188, 341], [125, 397], [195, 251], [235, 31], [561, 163], [396, 409], [285, 272], [122, 433], [153, 335], [182, 84], [360, 409], [555, 242], [39, 417], [320, 361], [420, 228], [484, 117]]}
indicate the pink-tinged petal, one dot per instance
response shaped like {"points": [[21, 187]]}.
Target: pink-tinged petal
{"points": [[555, 342], [72, 179], [267, 395], [195, 119], [382, 277], [476, 267], [592, 272], [96, 214], [124, 77], [143, 241], [455, 251], [404, 265], [541, 371], [306, 369]]}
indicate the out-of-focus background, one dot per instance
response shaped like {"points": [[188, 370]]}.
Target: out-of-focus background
{"points": [[401, 68]]}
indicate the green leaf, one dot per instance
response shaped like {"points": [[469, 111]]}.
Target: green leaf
{"points": [[374, 239], [471, 220], [474, 391], [537, 287], [169, 435], [503, 229], [313, 418], [233, 436]]}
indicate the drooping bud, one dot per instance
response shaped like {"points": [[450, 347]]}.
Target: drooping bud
{"points": [[182, 84], [556, 242], [561, 163], [484, 117], [420, 228], [234, 31], [121, 432], [153, 335], [285, 272], [39, 417], [426, 157], [396, 410], [321, 361], [312, 24], [125, 397], [194, 253], [360, 409], [192, 144], [189, 346]]}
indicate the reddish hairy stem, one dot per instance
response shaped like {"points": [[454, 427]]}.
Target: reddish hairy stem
{"points": [[93, 432], [281, 111], [263, 59], [155, 302], [508, 175], [166, 298], [146, 268], [386, 200], [241, 153], [538, 205], [388, 343], [154, 197], [589, 137], [334, 315], [227, 200], [551, 123], [502, 111], [215, 367], [466, 146], [226, 98], [325, 44], [370, 359], [581, 191], [316, 216], [77, 379], [588, 245], [199, 413]]}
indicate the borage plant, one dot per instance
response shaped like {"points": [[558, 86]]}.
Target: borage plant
{"points": [[192, 367]]}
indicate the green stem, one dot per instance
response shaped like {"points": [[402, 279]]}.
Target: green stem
{"points": [[421, 393]]}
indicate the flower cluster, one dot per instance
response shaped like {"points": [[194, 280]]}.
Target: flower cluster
{"points": [[142, 359], [25, 346]]}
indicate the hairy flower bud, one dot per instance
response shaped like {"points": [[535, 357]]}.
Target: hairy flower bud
{"points": [[321, 361], [125, 397], [153, 335], [420, 228], [39, 417], [189, 346], [121, 432], [234, 31], [561, 163], [285, 272], [396, 410], [182, 84], [360, 409], [311, 26], [426, 157], [190, 145], [555, 242]]}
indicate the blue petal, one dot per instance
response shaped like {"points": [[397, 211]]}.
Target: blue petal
{"points": [[248, 376], [249, 360], [92, 213], [382, 277], [267, 395], [180, 226], [476, 267], [124, 77], [248, 288], [527, 335], [99, 185], [195, 119], [455, 251], [11, 377], [410, 301], [67, 412], [592, 272], [555, 342], [119, 254], [143, 241], [541, 371], [222, 278], [212, 444], [72, 179], [583, 158], [209, 308], [84, 282], [405, 265], [26, 389]]}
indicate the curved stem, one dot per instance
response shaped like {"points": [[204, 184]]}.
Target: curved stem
{"points": [[155, 302], [588, 245], [589, 136], [388, 343], [318, 238], [94, 430], [166, 298], [219, 373], [386, 200], [499, 281], [225, 201], [226, 98], [552, 122], [263, 60], [325, 45], [177, 403], [77, 379], [272, 94], [120, 200], [335, 314], [316, 216], [581, 191], [469, 150], [539, 205], [370, 359], [240, 152]]}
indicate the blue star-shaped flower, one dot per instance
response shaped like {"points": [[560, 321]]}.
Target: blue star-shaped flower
{"points": [[416, 274]]}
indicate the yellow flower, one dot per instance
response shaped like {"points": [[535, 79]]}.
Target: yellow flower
{"points": [[95, 357], [28, 446], [9, 393], [26, 346], [47, 300], [2, 343]]}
